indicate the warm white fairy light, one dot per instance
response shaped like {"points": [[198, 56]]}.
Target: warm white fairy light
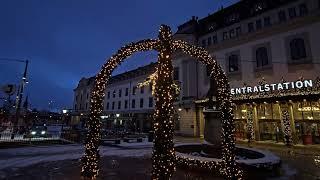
{"points": [[287, 128]]}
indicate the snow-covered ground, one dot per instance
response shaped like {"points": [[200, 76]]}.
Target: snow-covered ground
{"points": [[22, 157]]}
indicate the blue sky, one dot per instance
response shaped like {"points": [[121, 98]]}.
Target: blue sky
{"points": [[69, 39]]}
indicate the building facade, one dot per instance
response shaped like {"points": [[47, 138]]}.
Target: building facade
{"points": [[126, 106], [269, 50]]}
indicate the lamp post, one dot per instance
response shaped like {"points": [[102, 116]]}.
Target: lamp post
{"points": [[20, 91]]}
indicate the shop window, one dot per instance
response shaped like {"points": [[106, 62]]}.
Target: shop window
{"points": [[267, 21], [297, 49], [303, 9], [250, 27], [233, 63], [258, 24], [282, 16], [240, 111], [262, 57], [292, 12]]}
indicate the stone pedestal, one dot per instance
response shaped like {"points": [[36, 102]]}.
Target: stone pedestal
{"points": [[213, 127]]}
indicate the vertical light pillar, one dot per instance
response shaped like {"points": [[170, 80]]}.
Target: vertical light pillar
{"points": [[163, 157]]}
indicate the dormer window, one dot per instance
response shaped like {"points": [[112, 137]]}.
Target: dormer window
{"points": [[232, 18], [259, 6], [212, 26]]}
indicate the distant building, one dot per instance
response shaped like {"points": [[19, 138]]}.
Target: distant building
{"points": [[125, 105], [269, 50], [258, 44]]}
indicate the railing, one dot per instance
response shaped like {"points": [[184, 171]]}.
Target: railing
{"points": [[8, 136]]}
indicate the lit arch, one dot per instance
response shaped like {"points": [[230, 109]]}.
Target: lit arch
{"points": [[163, 158]]}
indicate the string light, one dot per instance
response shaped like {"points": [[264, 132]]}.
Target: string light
{"points": [[163, 156], [250, 126], [287, 128]]}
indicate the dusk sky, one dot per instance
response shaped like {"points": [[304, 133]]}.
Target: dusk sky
{"points": [[65, 40]]}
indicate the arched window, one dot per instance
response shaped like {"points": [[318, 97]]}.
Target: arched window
{"points": [[262, 56], [297, 49], [233, 63]]}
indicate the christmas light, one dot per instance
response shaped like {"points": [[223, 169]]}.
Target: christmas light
{"points": [[287, 128], [163, 157]]}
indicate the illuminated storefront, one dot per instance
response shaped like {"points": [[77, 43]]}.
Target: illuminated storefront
{"points": [[266, 109]]}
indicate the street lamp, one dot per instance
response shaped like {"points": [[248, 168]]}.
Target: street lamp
{"points": [[20, 90]]}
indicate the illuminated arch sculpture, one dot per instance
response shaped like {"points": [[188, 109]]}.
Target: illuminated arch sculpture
{"points": [[163, 157]]}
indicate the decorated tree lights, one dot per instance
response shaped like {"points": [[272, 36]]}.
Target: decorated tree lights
{"points": [[250, 127], [287, 129], [163, 158]]}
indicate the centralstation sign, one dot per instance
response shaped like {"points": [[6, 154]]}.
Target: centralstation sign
{"points": [[272, 87]]}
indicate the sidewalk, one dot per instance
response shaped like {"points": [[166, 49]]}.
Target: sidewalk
{"points": [[308, 150]]}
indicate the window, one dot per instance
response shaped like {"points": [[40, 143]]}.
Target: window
{"points": [[214, 39], [126, 104], [114, 93], [112, 105], [86, 106], [87, 95], [108, 95], [119, 105], [75, 106], [250, 27], [238, 31], [107, 105], [297, 49], [203, 43], [176, 73], [262, 57], [127, 92], [209, 41], [142, 89], [134, 90], [150, 101], [120, 92], [141, 103], [258, 24], [267, 21], [282, 16], [233, 63], [225, 35], [150, 87], [232, 33], [292, 12], [81, 97], [303, 9], [133, 104]]}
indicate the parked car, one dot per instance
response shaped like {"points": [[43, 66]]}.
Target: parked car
{"points": [[37, 131]]}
